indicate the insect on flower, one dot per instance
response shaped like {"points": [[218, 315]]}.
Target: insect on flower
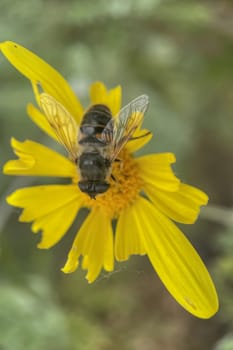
{"points": [[140, 193], [98, 141]]}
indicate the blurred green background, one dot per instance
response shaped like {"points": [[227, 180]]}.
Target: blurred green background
{"points": [[180, 53]]}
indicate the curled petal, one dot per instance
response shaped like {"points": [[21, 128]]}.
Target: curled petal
{"points": [[35, 159], [38, 71], [176, 261], [111, 98], [52, 208], [156, 171], [94, 242]]}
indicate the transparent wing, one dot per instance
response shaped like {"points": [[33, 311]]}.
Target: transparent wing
{"points": [[62, 122], [120, 129]]}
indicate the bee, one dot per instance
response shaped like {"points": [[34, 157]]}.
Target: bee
{"points": [[95, 144]]}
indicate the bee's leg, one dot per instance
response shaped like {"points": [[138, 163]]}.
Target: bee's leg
{"points": [[113, 177], [139, 137], [120, 161]]}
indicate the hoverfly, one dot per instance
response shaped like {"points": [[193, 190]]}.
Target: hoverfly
{"points": [[96, 143]]}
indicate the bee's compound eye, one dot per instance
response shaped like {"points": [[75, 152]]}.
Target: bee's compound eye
{"points": [[83, 186], [102, 187], [93, 188]]}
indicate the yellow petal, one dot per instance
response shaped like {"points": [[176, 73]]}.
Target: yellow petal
{"points": [[140, 139], [94, 242], [175, 260], [100, 95], [52, 208], [55, 225], [182, 206], [114, 100], [155, 170], [38, 71], [127, 240], [36, 159], [85, 263], [39, 119], [39, 201]]}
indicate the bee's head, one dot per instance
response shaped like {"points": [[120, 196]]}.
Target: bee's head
{"points": [[93, 188]]}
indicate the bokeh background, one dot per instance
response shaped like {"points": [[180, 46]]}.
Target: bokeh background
{"points": [[180, 53]]}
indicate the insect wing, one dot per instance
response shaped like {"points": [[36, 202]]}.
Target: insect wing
{"points": [[120, 129], [62, 122]]}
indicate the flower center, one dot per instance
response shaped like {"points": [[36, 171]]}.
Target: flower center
{"points": [[123, 190]]}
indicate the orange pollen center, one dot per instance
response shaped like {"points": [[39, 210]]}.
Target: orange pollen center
{"points": [[123, 190]]}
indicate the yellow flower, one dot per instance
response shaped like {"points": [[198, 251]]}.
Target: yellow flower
{"points": [[144, 200]]}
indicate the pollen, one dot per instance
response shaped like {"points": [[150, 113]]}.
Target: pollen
{"points": [[125, 185]]}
